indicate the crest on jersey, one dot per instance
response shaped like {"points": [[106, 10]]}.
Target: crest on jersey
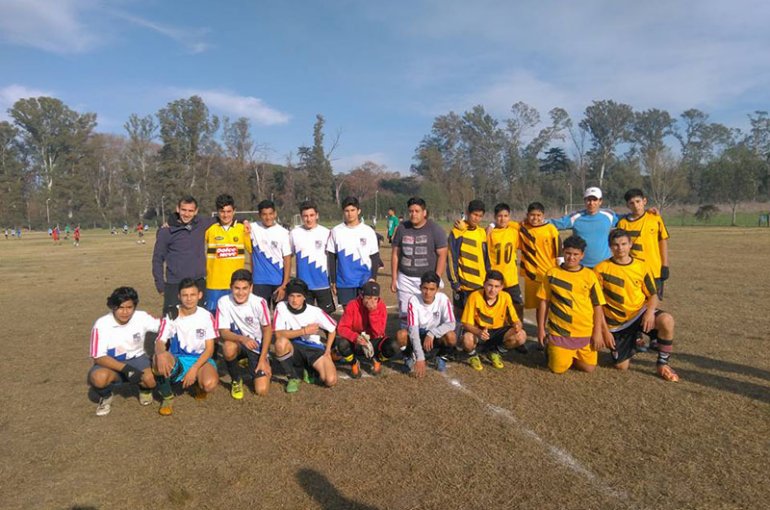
{"points": [[137, 337], [362, 241], [250, 321], [274, 244], [319, 244], [235, 239], [219, 238], [200, 333], [436, 314]]}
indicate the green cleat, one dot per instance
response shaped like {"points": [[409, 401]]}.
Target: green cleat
{"points": [[292, 386], [309, 379], [475, 363], [236, 389], [496, 360]]}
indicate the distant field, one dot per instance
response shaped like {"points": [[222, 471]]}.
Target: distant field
{"points": [[516, 438]]}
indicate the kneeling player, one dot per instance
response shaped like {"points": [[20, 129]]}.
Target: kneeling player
{"points": [[184, 347], [430, 329], [117, 348], [298, 344], [490, 319], [244, 326], [362, 331], [569, 315], [632, 300]]}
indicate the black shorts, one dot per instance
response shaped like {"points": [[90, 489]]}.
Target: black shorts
{"points": [[347, 294], [141, 362], [265, 292], [323, 299], [459, 298], [515, 293], [625, 339], [496, 336], [305, 356]]}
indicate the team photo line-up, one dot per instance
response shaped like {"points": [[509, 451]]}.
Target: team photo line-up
{"points": [[598, 289]]}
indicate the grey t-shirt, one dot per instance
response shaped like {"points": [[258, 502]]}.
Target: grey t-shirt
{"points": [[417, 247]]}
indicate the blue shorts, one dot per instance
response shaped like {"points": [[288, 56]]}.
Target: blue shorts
{"points": [[141, 362], [212, 298], [183, 364]]}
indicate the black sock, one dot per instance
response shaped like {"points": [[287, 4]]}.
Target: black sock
{"points": [[164, 386], [234, 369], [105, 392], [287, 364]]}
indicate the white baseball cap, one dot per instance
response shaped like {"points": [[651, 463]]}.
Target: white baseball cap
{"points": [[593, 192]]}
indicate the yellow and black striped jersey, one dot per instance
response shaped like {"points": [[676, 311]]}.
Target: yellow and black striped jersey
{"points": [[503, 243], [626, 290], [483, 315], [540, 246], [225, 253], [468, 257], [646, 233], [571, 296]]}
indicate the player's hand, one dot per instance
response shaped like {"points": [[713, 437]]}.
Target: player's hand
{"points": [[521, 336], [393, 286], [648, 321], [456, 287], [419, 368], [609, 340], [164, 365], [664, 273], [541, 337], [312, 329], [597, 342], [279, 294], [250, 343], [460, 224], [427, 345], [264, 366], [484, 335], [133, 374], [190, 376], [246, 227], [654, 210]]}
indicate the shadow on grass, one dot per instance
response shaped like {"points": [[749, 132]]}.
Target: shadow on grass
{"points": [[318, 487]]}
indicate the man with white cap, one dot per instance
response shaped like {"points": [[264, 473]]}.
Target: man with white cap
{"points": [[592, 224]]}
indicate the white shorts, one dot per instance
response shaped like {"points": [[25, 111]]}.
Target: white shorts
{"points": [[407, 286]]}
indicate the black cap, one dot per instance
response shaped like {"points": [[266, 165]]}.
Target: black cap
{"points": [[371, 289]]}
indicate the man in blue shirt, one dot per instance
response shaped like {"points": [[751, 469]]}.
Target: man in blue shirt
{"points": [[592, 224]]}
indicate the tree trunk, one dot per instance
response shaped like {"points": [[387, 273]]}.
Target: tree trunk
{"points": [[735, 206]]}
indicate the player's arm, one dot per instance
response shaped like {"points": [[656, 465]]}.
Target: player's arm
{"points": [[345, 325], [394, 254], [563, 223], [441, 256], [331, 264], [133, 374], [485, 254], [597, 336], [281, 290], [376, 262], [542, 315], [231, 336], [329, 342], [453, 262], [264, 360], [159, 253], [648, 320], [664, 271]]}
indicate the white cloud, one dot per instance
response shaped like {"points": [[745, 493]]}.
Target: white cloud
{"points": [[50, 25], [192, 39], [236, 105], [345, 164], [12, 93]]}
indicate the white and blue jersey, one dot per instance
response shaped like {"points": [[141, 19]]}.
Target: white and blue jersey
{"points": [[594, 229], [270, 246], [309, 246], [121, 341], [245, 319], [187, 335], [285, 319], [354, 247]]}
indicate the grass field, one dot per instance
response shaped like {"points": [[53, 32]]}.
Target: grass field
{"points": [[516, 438]]}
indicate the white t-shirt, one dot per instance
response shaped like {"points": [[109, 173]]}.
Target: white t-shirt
{"points": [[429, 317], [271, 245], [244, 319], [284, 319], [354, 247], [188, 334], [310, 248], [121, 341]]}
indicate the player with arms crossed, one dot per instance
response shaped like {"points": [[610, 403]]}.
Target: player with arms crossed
{"points": [[117, 348], [271, 254], [298, 344], [185, 346], [468, 256], [244, 327], [631, 307], [540, 246], [308, 243]]}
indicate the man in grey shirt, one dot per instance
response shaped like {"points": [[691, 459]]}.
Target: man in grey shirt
{"points": [[419, 245]]}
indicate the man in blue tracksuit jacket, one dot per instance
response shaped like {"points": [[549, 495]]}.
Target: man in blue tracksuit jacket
{"points": [[593, 224]]}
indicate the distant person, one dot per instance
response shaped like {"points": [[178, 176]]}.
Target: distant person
{"points": [[244, 326], [185, 346], [140, 233], [355, 257], [6, 234], [632, 307], [125, 228], [592, 224], [18, 232], [392, 223], [117, 348], [468, 256], [490, 323], [76, 236], [55, 234], [569, 315], [270, 255], [540, 248], [308, 244], [67, 231]]}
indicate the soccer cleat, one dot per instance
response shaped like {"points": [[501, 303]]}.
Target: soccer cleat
{"points": [[376, 366], [355, 370], [105, 406], [166, 408], [496, 360], [667, 373], [409, 362], [236, 389], [292, 385], [307, 377], [145, 397], [440, 364], [475, 363]]}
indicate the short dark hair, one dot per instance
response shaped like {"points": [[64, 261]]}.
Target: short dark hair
{"points": [[576, 242], [618, 232], [188, 199], [120, 296], [265, 204], [416, 201], [224, 200], [307, 204], [633, 193], [391, 209], [476, 205], [240, 275], [348, 201], [502, 206], [494, 275], [188, 283], [536, 206], [296, 286], [430, 277]]}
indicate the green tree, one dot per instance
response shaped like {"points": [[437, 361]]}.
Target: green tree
{"points": [[314, 162], [12, 178], [734, 177], [607, 122], [141, 156]]}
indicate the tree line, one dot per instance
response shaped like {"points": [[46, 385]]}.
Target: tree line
{"points": [[56, 168]]}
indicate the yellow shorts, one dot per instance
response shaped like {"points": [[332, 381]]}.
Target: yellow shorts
{"points": [[560, 359], [530, 291]]}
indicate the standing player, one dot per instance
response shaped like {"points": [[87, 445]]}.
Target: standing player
{"points": [[67, 231], [569, 316], [117, 348], [298, 345], [55, 234], [503, 242], [631, 307], [140, 233], [490, 319], [185, 346], [244, 327], [468, 256], [540, 246], [392, 223], [226, 247], [271, 254], [308, 242], [76, 235], [355, 257], [430, 329], [419, 245]]}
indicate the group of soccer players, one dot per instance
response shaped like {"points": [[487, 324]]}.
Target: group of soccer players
{"points": [[584, 301]]}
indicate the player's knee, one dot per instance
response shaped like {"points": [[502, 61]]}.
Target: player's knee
{"points": [[585, 367], [282, 345], [209, 384], [389, 348], [102, 378], [230, 350], [450, 339], [148, 380], [344, 348], [261, 388], [330, 379], [665, 321], [402, 337], [623, 365], [469, 341]]}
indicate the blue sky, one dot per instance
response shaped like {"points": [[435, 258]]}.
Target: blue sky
{"points": [[381, 71]]}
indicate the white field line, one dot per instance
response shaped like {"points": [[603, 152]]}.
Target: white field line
{"points": [[559, 455]]}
